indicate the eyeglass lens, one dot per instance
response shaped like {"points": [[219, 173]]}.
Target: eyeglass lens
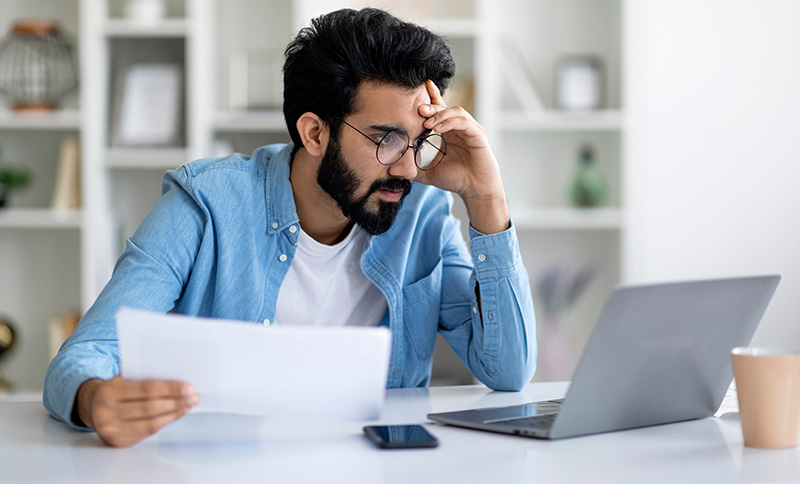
{"points": [[429, 152]]}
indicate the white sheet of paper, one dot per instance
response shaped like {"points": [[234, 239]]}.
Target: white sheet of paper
{"points": [[237, 367]]}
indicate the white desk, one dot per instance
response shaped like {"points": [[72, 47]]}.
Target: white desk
{"points": [[35, 448]]}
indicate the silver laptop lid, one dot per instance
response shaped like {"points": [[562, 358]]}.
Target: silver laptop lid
{"points": [[660, 353]]}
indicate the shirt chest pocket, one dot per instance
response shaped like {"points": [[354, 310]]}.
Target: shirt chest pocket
{"points": [[421, 303]]}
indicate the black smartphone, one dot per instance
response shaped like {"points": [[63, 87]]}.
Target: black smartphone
{"points": [[400, 436]]}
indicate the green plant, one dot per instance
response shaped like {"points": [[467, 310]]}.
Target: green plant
{"points": [[12, 178]]}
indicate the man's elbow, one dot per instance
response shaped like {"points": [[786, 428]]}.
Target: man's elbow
{"points": [[513, 379]]}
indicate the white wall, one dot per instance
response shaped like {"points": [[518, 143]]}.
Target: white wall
{"points": [[714, 146]]}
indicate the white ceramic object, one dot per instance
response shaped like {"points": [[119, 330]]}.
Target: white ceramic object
{"points": [[145, 11]]}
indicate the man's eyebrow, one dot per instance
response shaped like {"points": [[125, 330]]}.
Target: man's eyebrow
{"points": [[385, 128]]}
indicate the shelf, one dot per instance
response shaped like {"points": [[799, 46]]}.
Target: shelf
{"points": [[66, 119], [250, 122], [21, 396], [521, 121], [160, 29], [451, 27], [146, 158], [528, 218], [39, 218]]}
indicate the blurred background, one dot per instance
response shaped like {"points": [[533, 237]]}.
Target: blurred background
{"points": [[640, 141]]}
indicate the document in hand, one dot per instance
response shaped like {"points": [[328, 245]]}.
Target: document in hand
{"points": [[238, 367]]}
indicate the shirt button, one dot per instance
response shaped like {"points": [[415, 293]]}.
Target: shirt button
{"points": [[293, 229], [474, 310], [282, 258], [266, 322], [274, 225], [481, 257]]}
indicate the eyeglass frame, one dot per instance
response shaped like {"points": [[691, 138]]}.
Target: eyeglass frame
{"points": [[419, 140]]}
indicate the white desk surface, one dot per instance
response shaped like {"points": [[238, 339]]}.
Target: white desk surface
{"points": [[35, 448]]}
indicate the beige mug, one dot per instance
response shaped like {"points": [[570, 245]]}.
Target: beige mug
{"points": [[768, 388]]}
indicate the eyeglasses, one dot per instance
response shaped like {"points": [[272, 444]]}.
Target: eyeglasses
{"points": [[428, 150]]}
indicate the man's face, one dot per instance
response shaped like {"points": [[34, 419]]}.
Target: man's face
{"points": [[368, 193]]}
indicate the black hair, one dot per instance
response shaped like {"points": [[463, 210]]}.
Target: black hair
{"points": [[327, 62]]}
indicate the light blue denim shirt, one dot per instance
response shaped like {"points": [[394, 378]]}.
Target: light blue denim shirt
{"points": [[220, 240]]}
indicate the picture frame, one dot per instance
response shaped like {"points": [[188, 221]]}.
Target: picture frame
{"points": [[148, 105]]}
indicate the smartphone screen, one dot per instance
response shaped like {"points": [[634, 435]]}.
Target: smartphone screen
{"points": [[400, 436]]}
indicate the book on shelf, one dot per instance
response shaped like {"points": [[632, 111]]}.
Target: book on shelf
{"points": [[59, 329], [518, 77], [67, 193]]}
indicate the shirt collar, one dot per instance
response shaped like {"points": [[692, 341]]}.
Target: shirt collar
{"points": [[278, 196]]}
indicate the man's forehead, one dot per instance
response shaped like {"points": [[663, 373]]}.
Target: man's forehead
{"points": [[386, 102]]}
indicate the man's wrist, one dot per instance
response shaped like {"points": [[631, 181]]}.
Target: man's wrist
{"points": [[488, 216], [82, 408]]}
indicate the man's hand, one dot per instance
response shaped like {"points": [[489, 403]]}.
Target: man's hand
{"points": [[123, 412], [470, 168]]}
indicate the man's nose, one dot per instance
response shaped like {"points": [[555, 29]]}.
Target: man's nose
{"points": [[405, 167]]}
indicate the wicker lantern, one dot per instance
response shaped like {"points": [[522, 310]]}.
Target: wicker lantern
{"points": [[37, 65]]}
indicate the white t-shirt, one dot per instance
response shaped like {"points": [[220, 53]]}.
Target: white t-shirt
{"points": [[325, 285]]}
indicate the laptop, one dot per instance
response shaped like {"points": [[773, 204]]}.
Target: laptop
{"points": [[660, 353]]}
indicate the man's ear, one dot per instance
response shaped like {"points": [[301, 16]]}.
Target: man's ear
{"points": [[314, 132]]}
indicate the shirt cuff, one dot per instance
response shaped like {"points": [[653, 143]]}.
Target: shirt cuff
{"points": [[60, 394], [495, 255]]}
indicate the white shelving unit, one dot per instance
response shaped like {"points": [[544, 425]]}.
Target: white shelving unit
{"points": [[537, 150], [610, 120], [146, 158], [451, 27], [532, 219], [41, 257], [38, 218], [250, 122], [127, 179], [65, 119], [162, 29]]}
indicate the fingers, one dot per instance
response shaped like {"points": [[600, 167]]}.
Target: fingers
{"points": [[437, 103], [442, 119], [127, 433], [435, 95], [125, 412], [159, 389], [121, 390], [447, 121], [454, 119], [144, 409]]}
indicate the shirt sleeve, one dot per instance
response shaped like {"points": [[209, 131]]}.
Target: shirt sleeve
{"points": [[150, 275], [495, 334]]}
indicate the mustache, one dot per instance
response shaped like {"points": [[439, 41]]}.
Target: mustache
{"points": [[392, 184]]}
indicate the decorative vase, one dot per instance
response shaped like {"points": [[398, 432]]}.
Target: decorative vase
{"points": [[37, 65], [145, 11], [587, 188], [7, 340]]}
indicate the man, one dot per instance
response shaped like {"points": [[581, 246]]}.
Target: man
{"points": [[326, 230]]}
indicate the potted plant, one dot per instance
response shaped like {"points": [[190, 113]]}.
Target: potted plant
{"points": [[12, 178]]}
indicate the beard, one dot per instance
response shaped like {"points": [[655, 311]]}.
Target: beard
{"points": [[341, 183]]}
